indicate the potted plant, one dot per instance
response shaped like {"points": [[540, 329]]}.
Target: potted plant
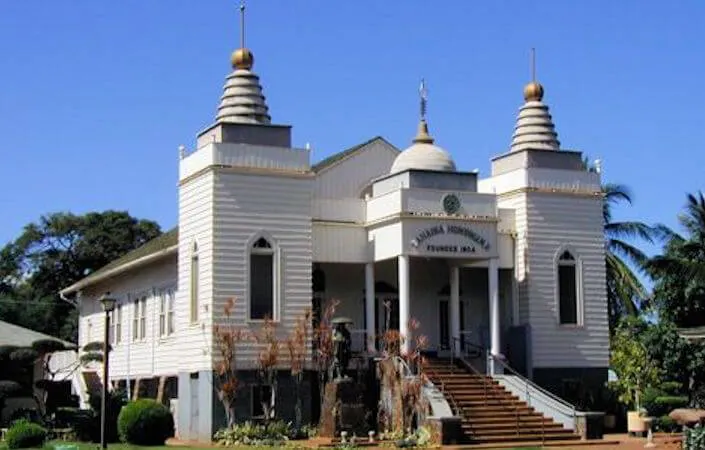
{"points": [[635, 373]]}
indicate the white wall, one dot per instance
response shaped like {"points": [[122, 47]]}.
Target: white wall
{"points": [[348, 177], [279, 208], [196, 204], [556, 221], [151, 356]]}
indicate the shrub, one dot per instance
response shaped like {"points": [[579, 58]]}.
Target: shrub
{"points": [[694, 438], [659, 401], [84, 423], [248, 433], [145, 422], [25, 434], [666, 424]]}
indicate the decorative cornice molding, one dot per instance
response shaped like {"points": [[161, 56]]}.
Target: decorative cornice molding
{"points": [[405, 215], [282, 173], [546, 190]]}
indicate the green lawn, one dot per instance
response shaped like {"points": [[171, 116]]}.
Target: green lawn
{"points": [[118, 446]]}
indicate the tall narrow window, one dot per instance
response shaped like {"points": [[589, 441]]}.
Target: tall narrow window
{"points": [[568, 298], [262, 289], [170, 294], [162, 313], [135, 319], [194, 284], [143, 317], [116, 322]]}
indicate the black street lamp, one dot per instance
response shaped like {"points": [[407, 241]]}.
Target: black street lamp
{"points": [[108, 306]]}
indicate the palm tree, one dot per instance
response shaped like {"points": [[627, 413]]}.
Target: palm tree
{"points": [[680, 271], [626, 294]]}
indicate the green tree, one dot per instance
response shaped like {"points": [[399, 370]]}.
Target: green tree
{"points": [[55, 252], [631, 362], [626, 294], [679, 272]]}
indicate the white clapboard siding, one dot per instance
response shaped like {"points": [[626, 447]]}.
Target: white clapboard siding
{"points": [[554, 221], [147, 357], [349, 177], [343, 243], [339, 209], [517, 203], [278, 208], [195, 227]]}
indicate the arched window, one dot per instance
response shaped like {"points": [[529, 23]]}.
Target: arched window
{"points": [[568, 278], [262, 280], [194, 287]]}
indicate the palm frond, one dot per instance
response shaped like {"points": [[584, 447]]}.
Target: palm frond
{"points": [[624, 287], [614, 193], [631, 230], [622, 249]]}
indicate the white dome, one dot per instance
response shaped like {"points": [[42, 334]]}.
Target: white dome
{"points": [[423, 156]]}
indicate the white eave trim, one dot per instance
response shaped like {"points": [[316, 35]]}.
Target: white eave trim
{"points": [[120, 269]]}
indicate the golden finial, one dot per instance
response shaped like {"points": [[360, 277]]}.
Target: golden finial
{"points": [[422, 135], [533, 91], [242, 58]]}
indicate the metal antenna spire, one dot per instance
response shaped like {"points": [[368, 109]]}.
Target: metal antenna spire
{"points": [[242, 24], [533, 64], [423, 93]]}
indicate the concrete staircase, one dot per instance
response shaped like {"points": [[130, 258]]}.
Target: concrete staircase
{"points": [[490, 413]]}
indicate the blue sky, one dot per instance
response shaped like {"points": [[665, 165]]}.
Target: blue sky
{"points": [[96, 96]]}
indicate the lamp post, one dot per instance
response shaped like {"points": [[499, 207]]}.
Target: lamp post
{"points": [[108, 306]]}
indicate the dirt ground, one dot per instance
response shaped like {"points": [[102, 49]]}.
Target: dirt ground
{"points": [[662, 441]]}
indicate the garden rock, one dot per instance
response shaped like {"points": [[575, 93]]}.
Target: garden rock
{"points": [[687, 416]]}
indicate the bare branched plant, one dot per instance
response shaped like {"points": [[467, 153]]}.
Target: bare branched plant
{"points": [[403, 375], [323, 346], [227, 338], [267, 365], [298, 346]]}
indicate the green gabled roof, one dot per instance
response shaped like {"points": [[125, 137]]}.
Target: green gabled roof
{"points": [[11, 334], [334, 158], [159, 243]]}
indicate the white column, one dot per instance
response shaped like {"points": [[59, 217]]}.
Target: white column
{"points": [[404, 302], [493, 273], [370, 305], [455, 307]]}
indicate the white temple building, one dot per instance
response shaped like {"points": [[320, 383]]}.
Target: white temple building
{"points": [[513, 262]]}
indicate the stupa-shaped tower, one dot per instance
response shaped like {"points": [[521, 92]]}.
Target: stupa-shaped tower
{"points": [[560, 254]]}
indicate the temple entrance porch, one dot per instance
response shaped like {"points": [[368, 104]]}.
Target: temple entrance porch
{"points": [[452, 301]]}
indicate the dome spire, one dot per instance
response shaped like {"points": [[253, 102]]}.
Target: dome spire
{"points": [[422, 135], [534, 128], [242, 100], [533, 91], [242, 58]]}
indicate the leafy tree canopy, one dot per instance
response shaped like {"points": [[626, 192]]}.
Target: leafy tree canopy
{"points": [[55, 252], [679, 273]]}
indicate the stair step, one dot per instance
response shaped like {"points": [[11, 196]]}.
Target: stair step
{"points": [[497, 410], [513, 437], [490, 413], [512, 426], [489, 420]]}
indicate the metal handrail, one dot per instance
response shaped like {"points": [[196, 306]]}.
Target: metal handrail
{"points": [[445, 392], [399, 360], [528, 383], [486, 382]]}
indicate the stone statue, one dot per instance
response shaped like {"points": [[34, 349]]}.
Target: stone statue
{"points": [[342, 344]]}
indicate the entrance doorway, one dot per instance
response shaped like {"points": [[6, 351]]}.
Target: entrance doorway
{"points": [[444, 341]]}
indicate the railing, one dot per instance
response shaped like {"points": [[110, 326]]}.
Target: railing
{"points": [[487, 381], [551, 404], [446, 394]]}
